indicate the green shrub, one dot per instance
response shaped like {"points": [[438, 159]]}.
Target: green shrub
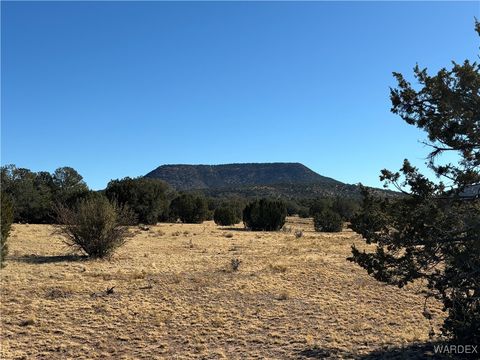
{"points": [[147, 198], [7, 217], [227, 214], [189, 208], [265, 215], [347, 208], [319, 205], [373, 215], [303, 212], [328, 221], [95, 226]]}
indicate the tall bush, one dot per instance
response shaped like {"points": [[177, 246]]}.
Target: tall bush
{"points": [[328, 221], [227, 214], [147, 198], [189, 208], [265, 215], [95, 226]]}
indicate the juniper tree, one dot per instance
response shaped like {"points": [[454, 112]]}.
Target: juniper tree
{"points": [[147, 198], [189, 208], [265, 215], [433, 231]]}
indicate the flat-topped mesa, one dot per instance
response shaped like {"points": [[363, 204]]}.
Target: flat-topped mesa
{"points": [[190, 177]]}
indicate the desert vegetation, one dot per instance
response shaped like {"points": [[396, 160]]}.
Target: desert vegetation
{"points": [[189, 208], [328, 221], [189, 291], [265, 215], [95, 226], [149, 199], [34, 194], [227, 214]]}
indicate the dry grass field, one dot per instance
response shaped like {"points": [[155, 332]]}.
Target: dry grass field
{"points": [[175, 296]]}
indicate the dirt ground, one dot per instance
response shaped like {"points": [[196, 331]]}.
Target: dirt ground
{"points": [[176, 296]]}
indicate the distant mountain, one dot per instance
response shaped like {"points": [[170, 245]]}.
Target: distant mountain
{"points": [[188, 177], [287, 180]]}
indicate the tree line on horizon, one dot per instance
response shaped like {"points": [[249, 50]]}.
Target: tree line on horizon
{"points": [[36, 195]]}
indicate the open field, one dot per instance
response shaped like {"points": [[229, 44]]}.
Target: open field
{"points": [[175, 296]]}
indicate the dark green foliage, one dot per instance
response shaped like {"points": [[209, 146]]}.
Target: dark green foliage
{"points": [[328, 221], [68, 186], [347, 208], [6, 216], [265, 215], [34, 194], [189, 208], [433, 232], [292, 207], [147, 198], [227, 214], [371, 218], [304, 212], [319, 205], [95, 226]]}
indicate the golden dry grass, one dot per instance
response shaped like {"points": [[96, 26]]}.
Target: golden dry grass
{"points": [[175, 296]]}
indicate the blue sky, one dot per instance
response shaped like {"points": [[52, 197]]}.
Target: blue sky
{"points": [[116, 89]]}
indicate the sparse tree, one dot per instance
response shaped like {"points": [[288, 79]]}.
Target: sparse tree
{"points": [[433, 231]]}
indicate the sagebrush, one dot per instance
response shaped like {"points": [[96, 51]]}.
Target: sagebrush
{"points": [[95, 226]]}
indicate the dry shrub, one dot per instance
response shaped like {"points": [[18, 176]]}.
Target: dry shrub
{"points": [[280, 268], [58, 293], [283, 295], [95, 226], [235, 264], [298, 233]]}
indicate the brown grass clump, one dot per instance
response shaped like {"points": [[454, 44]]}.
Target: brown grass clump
{"points": [[288, 300]]}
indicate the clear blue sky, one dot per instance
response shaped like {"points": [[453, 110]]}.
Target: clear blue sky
{"points": [[116, 89]]}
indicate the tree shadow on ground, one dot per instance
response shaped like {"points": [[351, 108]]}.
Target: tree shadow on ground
{"points": [[48, 259], [410, 352], [234, 229]]}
